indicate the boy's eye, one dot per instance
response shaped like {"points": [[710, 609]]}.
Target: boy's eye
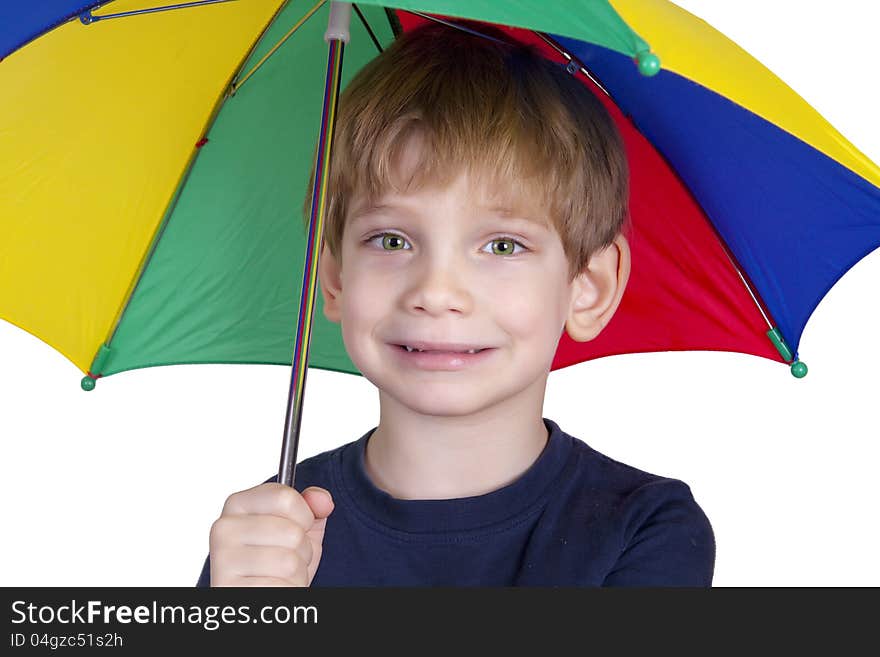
{"points": [[394, 242], [390, 241], [507, 246]]}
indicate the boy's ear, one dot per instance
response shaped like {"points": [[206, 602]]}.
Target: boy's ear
{"points": [[597, 290], [331, 285]]}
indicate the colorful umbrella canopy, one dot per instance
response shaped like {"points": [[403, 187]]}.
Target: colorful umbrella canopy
{"points": [[707, 417], [153, 166]]}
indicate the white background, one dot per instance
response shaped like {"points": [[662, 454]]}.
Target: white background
{"points": [[119, 486]]}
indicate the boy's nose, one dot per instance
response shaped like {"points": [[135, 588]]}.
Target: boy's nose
{"points": [[438, 288]]}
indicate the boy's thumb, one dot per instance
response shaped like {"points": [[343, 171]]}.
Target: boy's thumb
{"points": [[320, 501]]}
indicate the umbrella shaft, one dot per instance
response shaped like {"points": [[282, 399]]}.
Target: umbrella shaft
{"points": [[299, 363]]}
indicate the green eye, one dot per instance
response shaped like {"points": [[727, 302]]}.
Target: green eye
{"points": [[391, 242], [510, 244], [507, 246]]}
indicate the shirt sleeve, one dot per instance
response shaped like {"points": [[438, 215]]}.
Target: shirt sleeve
{"points": [[668, 540]]}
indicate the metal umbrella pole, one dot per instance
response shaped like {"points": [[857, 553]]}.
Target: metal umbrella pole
{"points": [[337, 35]]}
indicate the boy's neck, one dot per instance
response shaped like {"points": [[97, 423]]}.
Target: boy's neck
{"points": [[412, 456]]}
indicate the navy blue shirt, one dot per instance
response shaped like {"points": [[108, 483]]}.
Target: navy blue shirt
{"points": [[574, 518]]}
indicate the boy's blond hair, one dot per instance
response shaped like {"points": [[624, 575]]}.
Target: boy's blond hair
{"points": [[544, 142]]}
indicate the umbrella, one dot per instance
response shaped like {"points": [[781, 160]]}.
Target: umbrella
{"points": [[155, 159]]}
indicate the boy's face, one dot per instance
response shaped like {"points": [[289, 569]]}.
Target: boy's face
{"points": [[441, 265]]}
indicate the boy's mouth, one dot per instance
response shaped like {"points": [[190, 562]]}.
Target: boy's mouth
{"points": [[445, 360], [440, 347], [441, 351]]}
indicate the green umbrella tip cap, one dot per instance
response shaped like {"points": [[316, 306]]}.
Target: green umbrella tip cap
{"points": [[798, 369], [87, 383], [649, 63]]}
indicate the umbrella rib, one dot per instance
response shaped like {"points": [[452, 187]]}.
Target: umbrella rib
{"points": [[86, 18], [394, 22], [455, 25], [749, 288], [367, 27], [237, 85], [573, 61]]}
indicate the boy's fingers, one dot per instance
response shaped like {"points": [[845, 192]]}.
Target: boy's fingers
{"points": [[263, 561], [260, 531], [316, 534], [270, 499], [315, 537], [319, 500]]}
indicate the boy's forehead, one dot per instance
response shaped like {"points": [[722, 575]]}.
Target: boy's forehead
{"points": [[494, 200], [415, 164]]}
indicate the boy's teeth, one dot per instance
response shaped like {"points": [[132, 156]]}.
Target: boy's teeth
{"points": [[408, 348]]}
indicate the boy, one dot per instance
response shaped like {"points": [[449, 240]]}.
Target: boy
{"points": [[478, 195]]}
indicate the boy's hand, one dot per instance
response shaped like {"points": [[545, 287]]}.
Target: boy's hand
{"points": [[269, 535]]}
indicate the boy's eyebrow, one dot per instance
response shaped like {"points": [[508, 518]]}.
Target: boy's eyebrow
{"points": [[372, 208], [512, 213], [500, 210]]}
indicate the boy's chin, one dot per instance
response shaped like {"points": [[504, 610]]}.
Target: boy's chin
{"points": [[438, 400]]}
